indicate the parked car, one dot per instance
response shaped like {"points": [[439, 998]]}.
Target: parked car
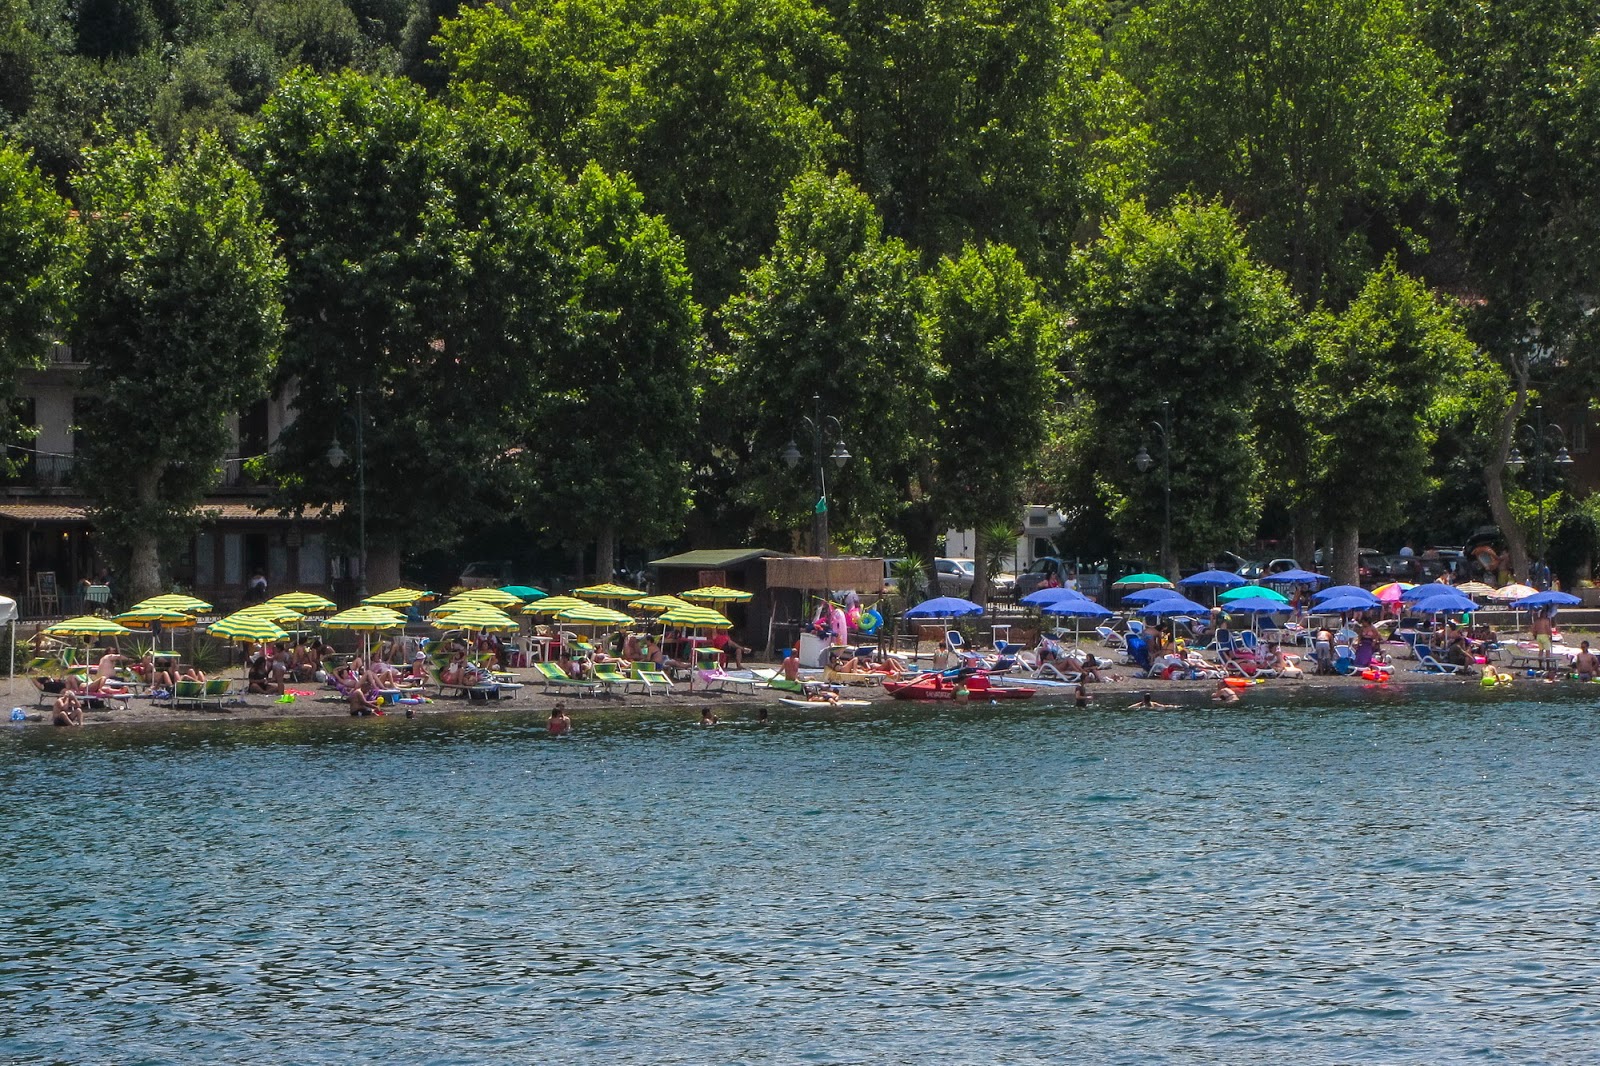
{"points": [[1234, 563], [485, 573], [1278, 566], [1033, 579], [954, 579]]}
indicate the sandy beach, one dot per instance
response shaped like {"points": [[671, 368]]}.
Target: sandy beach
{"points": [[531, 698]]}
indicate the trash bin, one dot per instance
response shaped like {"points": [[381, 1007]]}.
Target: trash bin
{"points": [[812, 648]]}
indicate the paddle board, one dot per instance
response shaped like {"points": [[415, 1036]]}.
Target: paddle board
{"points": [[826, 703]]}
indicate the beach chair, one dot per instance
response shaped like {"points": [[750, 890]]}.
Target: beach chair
{"points": [[188, 694], [652, 678], [1247, 639], [1111, 638], [612, 678], [555, 678], [1427, 664], [1052, 672], [1135, 627], [217, 691], [954, 638], [722, 679], [1344, 659]]}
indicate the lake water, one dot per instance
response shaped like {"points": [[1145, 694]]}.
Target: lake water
{"points": [[1327, 880]]}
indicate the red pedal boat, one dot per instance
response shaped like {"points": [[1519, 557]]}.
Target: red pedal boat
{"points": [[939, 687]]}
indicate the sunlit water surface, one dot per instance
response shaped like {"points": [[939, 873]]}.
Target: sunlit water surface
{"points": [[1345, 881]]}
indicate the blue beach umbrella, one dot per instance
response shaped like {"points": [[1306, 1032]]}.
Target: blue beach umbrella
{"points": [[1044, 597], [1144, 596], [1342, 590], [1340, 604], [1217, 579], [1295, 577], [1447, 600], [1076, 609], [944, 607], [1426, 592], [1546, 599], [1174, 605]]}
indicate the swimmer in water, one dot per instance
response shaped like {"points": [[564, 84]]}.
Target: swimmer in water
{"points": [[1224, 693], [1147, 702], [560, 724]]}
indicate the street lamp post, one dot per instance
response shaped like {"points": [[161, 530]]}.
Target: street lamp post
{"points": [[336, 458], [820, 427], [1162, 429], [1543, 440]]}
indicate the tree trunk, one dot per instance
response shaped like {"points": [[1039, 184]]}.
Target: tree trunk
{"points": [[144, 551], [1494, 472], [383, 567], [1347, 555], [980, 563], [605, 554]]}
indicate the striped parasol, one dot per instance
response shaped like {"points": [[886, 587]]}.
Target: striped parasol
{"points": [[608, 591], [145, 617], [595, 615], [493, 597], [717, 594], [171, 601], [659, 603], [242, 625], [696, 618], [365, 620], [553, 605], [400, 597], [304, 602], [270, 611], [87, 626], [480, 617]]}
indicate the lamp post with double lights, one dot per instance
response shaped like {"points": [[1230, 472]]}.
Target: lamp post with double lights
{"points": [[1544, 440], [1162, 429], [822, 427], [336, 459]]}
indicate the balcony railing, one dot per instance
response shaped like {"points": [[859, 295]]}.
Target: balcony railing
{"points": [[40, 471]]}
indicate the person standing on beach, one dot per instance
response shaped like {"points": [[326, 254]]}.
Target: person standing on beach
{"points": [[1544, 636]]}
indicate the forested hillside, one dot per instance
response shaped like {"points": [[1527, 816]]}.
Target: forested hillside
{"points": [[1253, 210]]}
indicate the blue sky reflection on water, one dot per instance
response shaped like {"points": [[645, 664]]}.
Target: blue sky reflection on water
{"points": [[1320, 881]]}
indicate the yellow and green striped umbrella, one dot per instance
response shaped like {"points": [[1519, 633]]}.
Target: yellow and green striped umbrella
{"points": [[400, 597], [696, 618], [270, 611], [481, 617], [553, 605], [717, 594], [366, 620], [659, 603], [144, 617], [608, 591], [304, 602], [493, 597], [172, 601], [460, 603], [241, 625], [87, 626], [594, 615]]}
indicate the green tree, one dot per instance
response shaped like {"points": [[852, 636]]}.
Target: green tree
{"points": [[1171, 307], [180, 320], [1383, 370], [1525, 81], [419, 289], [38, 257], [614, 411], [1318, 123], [969, 120], [833, 310], [716, 113], [994, 353]]}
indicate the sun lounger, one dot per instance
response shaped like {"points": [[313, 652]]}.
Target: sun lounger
{"points": [[556, 678], [1427, 664], [653, 678], [612, 678], [722, 679], [1050, 671]]}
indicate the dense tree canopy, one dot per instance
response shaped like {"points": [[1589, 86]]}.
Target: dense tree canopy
{"points": [[180, 318], [991, 239]]}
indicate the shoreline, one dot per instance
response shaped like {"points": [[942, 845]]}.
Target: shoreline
{"points": [[531, 699]]}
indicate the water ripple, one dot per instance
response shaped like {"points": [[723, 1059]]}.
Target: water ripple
{"points": [[1327, 882]]}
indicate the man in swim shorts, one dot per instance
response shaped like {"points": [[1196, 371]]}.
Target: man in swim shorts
{"points": [[1544, 636], [1585, 663]]}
